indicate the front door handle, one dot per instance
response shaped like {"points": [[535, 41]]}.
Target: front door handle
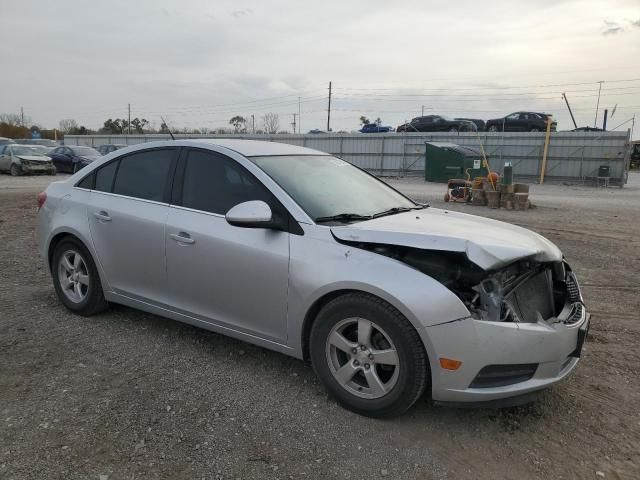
{"points": [[182, 237], [102, 216]]}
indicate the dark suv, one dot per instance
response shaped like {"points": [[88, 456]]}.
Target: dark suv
{"points": [[437, 123], [521, 122]]}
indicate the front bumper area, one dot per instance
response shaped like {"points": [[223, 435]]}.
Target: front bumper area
{"points": [[47, 168], [553, 345]]}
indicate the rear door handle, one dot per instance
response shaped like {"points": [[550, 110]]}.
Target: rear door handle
{"points": [[182, 237], [102, 216]]}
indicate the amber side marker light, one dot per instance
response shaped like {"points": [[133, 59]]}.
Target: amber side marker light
{"points": [[449, 363]]}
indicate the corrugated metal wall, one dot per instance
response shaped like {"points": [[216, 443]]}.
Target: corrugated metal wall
{"points": [[572, 155]]}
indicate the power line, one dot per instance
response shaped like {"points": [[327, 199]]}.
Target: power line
{"points": [[499, 87]]}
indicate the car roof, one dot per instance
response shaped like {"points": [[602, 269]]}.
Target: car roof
{"points": [[253, 148]]}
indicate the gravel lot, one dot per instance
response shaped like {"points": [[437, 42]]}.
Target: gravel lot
{"points": [[128, 395]]}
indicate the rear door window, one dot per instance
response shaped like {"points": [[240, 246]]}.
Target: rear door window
{"points": [[105, 176], [145, 175]]}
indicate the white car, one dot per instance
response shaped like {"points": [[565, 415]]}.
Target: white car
{"points": [[298, 251], [19, 159]]}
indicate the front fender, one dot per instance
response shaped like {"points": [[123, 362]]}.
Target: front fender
{"points": [[319, 265]]}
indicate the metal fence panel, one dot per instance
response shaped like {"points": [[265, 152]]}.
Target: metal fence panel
{"points": [[572, 156]]}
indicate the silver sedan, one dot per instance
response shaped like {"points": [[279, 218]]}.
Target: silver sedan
{"points": [[301, 252]]}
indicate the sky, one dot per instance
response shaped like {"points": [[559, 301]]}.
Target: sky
{"points": [[198, 63]]}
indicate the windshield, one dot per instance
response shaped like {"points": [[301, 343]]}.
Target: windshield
{"points": [[26, 151], [88, 151], [326, 186]]}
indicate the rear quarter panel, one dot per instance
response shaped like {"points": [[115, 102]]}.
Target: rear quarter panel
{"points": [[65, 212]]}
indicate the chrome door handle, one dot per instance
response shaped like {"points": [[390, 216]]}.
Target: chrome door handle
{"points": [[182, 237], [102, 215]]}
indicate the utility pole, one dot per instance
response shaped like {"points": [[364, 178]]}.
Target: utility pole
{"points": [[329, 111], [570, 112], [595, 120], [422, 111], [21, 117], [253, 123], [299, 117], [604, 122], [294, 122], [129, 123]]}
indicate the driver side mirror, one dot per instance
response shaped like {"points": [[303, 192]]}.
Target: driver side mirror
{"points": [[252, 214]]}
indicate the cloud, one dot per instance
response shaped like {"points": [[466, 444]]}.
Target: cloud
{"points": [[613, 28], [241, 13], [613, 31]]}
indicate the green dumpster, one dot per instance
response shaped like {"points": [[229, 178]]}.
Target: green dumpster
{"points": [[443, 161]]}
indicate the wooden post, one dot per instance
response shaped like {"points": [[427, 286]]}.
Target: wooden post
{"points": [[546, 150]]}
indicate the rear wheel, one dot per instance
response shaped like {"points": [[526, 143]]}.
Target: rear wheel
{"points": [[15, 170], [368, 355], [492, 128], [534, 129], [453, 130], [76, 279]]}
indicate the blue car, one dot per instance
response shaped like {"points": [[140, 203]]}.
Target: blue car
{"points": [[374, 128], [72, 158]]}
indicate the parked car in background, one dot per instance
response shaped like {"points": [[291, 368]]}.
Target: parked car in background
{"points": [[521, 122], [6, 141], [298, 251], [109, 147], [316, 131], [73, 158], [375, 128], [19, 159], [480, 124], [437, 123]]}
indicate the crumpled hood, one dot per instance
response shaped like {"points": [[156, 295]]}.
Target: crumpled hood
{"points": [[490, 244], [34, 158]]}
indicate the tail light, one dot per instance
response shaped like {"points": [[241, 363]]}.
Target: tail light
{"points": [[42, 197]]}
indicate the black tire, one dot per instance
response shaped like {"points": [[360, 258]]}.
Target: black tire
{"points": [[15, 170], [94, 301], [453, 130], [534, 129], [413, 374], [492, 128]]}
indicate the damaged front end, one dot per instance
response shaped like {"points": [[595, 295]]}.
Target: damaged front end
{"points": [[524, 291]]}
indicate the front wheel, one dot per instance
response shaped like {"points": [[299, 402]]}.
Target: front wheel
{"points": [[15, 170], [492, 128], [453, 130], [368, 355]]}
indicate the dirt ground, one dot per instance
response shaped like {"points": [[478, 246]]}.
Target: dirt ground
{"points": [[128, 395]]}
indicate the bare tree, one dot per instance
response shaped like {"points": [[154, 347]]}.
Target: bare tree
{"points": [[11, 119], [271, 122], [68, 125]]}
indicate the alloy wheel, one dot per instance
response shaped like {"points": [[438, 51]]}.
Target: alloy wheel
{"points": [[362, 358], [73, 276]]}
